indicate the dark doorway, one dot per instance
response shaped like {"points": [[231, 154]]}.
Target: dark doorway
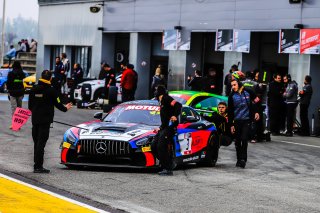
{"points": [[122, 45]]}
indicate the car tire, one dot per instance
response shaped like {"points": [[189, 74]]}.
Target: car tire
{"points": [[113, 93], [212, 152], [99, 93]]}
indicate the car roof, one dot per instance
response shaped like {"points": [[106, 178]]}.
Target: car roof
{"points": [[187, 94], [142, 102]]}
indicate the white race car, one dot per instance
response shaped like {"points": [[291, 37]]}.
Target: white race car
{"points": [[89, 92]]}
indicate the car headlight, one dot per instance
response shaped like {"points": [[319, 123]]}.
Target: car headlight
{"points": [[70, 137], [143, 141]]}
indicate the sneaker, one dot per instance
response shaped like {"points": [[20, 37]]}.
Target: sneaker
{"points": [[165, 173], [253, 141], [41, 170]]}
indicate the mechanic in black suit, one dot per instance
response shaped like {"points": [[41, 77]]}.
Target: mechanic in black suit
{"points": [[42, 100], [169, 112]]}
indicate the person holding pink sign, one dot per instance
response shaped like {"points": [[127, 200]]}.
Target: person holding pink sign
{"points": [[42, 100]]}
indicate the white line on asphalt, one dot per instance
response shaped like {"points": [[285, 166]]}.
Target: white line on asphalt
{"points": [[53, 194], [301, 144]]}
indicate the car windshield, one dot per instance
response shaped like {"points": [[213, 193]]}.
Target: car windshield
{"points": [[179, 99], [143, 114]]}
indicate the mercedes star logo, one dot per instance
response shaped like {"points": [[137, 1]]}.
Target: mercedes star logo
{"points": [[101, 147]]}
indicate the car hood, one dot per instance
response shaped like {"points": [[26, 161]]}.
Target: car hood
{"points": [[31, 78], [92, 82], [114, 131]]}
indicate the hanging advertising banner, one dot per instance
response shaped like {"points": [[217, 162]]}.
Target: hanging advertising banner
{"points": [[289, 41], [224, 40], [183, 39], [176, 40], [310, 41], [169, 40], [241, 41]]}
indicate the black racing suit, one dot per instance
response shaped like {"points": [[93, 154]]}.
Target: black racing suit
{"points": [[164, 138], [42, 100]]}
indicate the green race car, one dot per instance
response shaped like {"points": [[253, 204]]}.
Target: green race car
{"points": [[203, 102]]}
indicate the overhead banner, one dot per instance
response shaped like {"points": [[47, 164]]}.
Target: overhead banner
{"points": [[289, 41], [224, 40], [241, 41], [310, 41], [176, 40]]}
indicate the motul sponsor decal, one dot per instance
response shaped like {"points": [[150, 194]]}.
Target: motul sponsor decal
{"points": [[142, 107]]}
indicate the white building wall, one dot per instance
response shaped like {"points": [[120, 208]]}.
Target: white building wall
{"points": [[71, 25]]}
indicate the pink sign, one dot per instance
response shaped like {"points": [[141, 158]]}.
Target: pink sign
{"points": [[20, 118]]}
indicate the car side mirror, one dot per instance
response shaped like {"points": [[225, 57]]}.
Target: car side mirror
{"points": [[98, 115], [191, 119]]}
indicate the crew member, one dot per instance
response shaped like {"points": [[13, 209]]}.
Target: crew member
{"points": [[169, 112], [59, 75], [220, 120], [275, 103], [196, 82], [305, 94], [128, 83], [110, 78], [242, 109], [42, 100], [291, 100]]}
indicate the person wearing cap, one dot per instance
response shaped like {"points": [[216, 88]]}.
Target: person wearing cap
{"points": [[242, 111], [42, 100], [169, 112], [110, 78]]}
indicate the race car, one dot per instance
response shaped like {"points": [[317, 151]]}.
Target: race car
{"points": [[89, 92], [203, 102], [29, 82], [123, 138]]}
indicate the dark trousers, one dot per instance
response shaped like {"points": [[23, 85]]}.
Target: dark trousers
{"points": [[304, 110], [242, 128], [127, 95], [290, 110], [160, 147], [40, 135], [275, 119]]}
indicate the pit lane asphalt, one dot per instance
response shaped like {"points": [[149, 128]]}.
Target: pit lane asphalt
{"points": [[279, 177]]}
